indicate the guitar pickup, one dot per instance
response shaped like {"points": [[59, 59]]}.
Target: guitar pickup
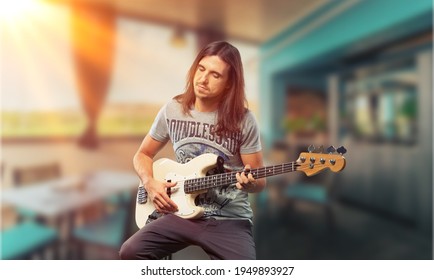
{"points": [[142, 195]]}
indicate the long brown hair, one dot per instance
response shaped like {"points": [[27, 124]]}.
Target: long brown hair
{"points": [[233, 105]]}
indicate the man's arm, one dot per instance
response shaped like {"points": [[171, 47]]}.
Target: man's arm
{"points": [[248, 183], [142, 161]]}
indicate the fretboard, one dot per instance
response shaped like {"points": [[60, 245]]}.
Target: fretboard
{"points": [[224, 179]]}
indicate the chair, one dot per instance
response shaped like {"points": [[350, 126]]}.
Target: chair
{"points": [[24, 240], [28, 237], [107, 233], [113, 202], [283, 192], [8, 216], [36, 173], [109, 205], [318, 192], [33, 174]]}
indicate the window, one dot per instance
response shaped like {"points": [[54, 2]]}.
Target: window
{"points": [[39, 90], [380, 102]]}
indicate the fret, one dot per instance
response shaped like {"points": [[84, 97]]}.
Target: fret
{"points": [[220, 180]]}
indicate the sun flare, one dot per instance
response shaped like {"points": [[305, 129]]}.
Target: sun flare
{"points": [[13, 10]]}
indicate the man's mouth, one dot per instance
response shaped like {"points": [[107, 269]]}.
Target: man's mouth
{"points": [[202, 87]]}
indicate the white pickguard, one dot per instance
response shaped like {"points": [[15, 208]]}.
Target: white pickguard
{"points": [[166, 169]]}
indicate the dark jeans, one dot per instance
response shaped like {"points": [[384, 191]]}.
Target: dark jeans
{"points": [[220, 239]]}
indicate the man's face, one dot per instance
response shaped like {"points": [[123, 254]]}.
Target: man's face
{"points": [[210, 78]]}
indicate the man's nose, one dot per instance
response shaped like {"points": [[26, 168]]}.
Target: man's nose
{"points": [[203, 79]]}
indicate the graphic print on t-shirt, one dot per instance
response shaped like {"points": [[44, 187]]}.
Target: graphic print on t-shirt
{"points": [[181, 131]]}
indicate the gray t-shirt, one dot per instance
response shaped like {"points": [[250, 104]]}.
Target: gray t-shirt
{"points": [[194, 135]]}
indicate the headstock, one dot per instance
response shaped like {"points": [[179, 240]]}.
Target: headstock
{"points": [[311, 162]]}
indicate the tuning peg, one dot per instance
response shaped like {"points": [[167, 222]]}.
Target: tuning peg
{"points": [[321, 149], [311, 148], [341, 150], [331, 150]]}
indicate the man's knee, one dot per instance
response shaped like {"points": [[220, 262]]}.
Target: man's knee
{"points": [[127, 252]]}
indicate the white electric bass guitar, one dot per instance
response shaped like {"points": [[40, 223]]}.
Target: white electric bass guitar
{"points": [[193, 178]]}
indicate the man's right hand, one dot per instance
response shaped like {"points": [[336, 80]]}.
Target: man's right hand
{"points": [[157, 192]]}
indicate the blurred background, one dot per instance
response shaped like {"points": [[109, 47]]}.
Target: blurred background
{"points": [[81, 82]]}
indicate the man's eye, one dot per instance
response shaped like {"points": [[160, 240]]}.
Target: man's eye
{"points": [[216, 76]]}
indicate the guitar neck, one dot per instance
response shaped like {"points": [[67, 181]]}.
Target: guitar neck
{"points": [[224, 179]]}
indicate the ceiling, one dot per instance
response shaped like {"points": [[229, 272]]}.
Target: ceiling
{"points": [[251, 21]]}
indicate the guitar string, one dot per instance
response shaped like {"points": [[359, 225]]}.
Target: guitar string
{"points": [[262, 171], [229, 178]]}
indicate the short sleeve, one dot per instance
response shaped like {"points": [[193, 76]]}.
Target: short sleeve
{"points": [[159, 130], [251, 140]]}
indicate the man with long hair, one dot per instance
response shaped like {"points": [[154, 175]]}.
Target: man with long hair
{"points": [[211, 116]]}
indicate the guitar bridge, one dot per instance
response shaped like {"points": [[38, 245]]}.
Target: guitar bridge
{"points": [[142, 195]]}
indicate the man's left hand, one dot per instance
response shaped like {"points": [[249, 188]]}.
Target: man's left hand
{"points": [[245, 179]]}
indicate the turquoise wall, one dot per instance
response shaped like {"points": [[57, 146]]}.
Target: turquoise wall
{"points": [[359, 24]]}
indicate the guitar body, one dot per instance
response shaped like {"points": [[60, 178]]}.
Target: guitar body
{"points": [[168, 170]]}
